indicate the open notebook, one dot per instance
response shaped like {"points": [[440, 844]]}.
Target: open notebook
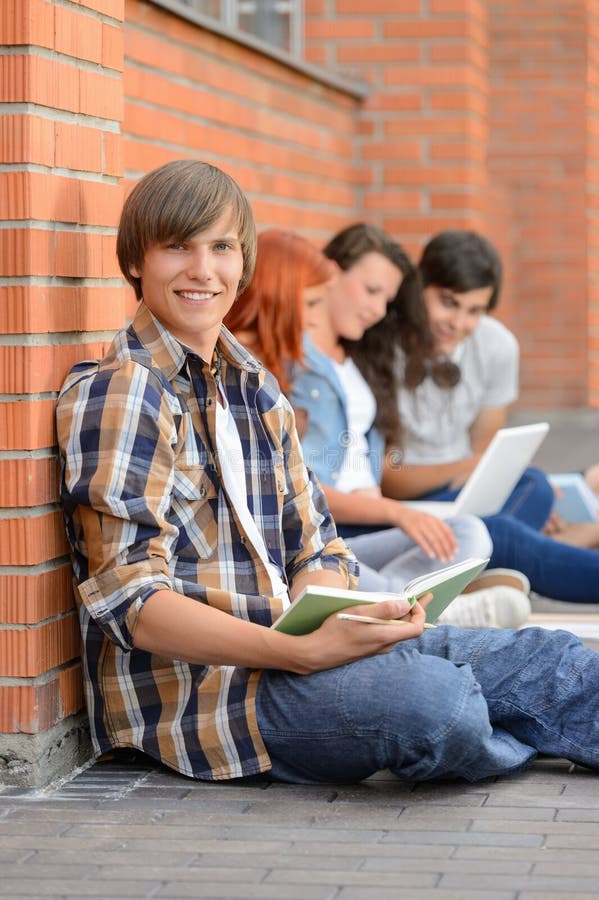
{"points": [[495, 476]]}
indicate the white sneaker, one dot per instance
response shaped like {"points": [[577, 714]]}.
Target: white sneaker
{"points": [[493, 607], [494, 577]]}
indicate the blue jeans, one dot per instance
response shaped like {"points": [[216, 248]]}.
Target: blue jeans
{"points": [[554, 570], [531, 500], [450, 704]]}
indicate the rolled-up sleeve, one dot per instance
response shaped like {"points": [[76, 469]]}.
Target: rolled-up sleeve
{"points": [[117, 434]]}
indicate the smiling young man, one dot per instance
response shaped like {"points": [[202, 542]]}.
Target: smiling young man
{"points": [[193, 521]]}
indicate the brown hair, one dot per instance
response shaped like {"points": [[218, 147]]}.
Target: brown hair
{"points": [[175, 202], [405, 323], [272, 304]]}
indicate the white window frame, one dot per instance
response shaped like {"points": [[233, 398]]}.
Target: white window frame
{"points": [[230, 18], [354, 88]]}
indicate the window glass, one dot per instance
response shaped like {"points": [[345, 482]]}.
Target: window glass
{"points": [[276, 22], [269, 20]]}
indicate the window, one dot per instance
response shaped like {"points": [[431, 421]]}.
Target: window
{"points": [[276, 22]]}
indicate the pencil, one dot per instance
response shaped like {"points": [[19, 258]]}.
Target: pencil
{"points": [[349, 617]]}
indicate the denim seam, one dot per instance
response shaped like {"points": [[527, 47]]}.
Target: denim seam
{"points": [[398, 738], [567, 684], [558, 735]]}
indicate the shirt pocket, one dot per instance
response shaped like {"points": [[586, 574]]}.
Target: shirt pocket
{"points": [[194, 512]]}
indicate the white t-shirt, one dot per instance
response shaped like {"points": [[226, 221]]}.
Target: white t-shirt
{"points": [[230, 454], [436, 421], [356, 471]]}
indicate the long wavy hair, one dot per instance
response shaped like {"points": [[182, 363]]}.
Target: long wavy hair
{"points": [[271, 306], [405, 325]]}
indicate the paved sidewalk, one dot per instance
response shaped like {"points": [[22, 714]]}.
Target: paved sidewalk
{"points": [[129, 828], [136, 830]]}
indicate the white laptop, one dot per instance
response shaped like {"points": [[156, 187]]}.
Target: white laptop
{"points": [[495, 476]]}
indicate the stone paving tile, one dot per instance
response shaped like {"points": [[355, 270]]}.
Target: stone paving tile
{"points": [[306, 819], [496, 838], [352, 893], [561, 867], [216, 891], [34, 842], [290, 859], [106, 815], [569, 841], [545, 885], [534, 895], [535, 856], [347, 856], [110, 874], [362, 877], [152, 832], [432, 812], [12, 856], [120, 858], [160, 835], [578, 789], [200, 846], [376, 851], [49, 871], [33, 827], [575, 814], [580, 829], [65, 887], [533, 796], [428, 864], [321, 835]]}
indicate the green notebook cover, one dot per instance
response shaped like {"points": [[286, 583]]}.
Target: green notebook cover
{"points": [[316, 603]]}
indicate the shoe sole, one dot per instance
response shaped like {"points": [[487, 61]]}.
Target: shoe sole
{"points": [[498, 577]]}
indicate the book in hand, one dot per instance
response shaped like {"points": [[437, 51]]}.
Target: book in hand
{"points": [[575, 502], [315, 603]]}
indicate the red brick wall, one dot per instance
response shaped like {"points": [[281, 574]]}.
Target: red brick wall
{"points": [[424, 127], [60, 194], [538, 167], [483, 115], [287, 139], [592, 200]]}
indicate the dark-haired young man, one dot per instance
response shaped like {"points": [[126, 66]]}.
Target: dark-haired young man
{"points": [[449, 418]]}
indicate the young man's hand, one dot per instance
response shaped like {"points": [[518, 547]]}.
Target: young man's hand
{"points": [[338, 642]]}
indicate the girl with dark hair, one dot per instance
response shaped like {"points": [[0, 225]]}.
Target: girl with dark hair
{"points": [[346, 391]]}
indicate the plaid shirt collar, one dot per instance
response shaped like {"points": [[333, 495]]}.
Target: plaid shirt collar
{"points": [[170, 354]]}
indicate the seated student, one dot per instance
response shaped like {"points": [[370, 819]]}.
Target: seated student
{"points": [[452, 403], [344, 429], [554, 569], [182, 565]]}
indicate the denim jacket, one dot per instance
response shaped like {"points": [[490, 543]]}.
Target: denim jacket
{"points": [[317, 389]]}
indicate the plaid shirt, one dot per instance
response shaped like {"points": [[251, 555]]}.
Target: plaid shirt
{"points": [[146, 509]]}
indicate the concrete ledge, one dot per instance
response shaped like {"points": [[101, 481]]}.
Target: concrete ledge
{"points": [[573, 440], [34, 760]]}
